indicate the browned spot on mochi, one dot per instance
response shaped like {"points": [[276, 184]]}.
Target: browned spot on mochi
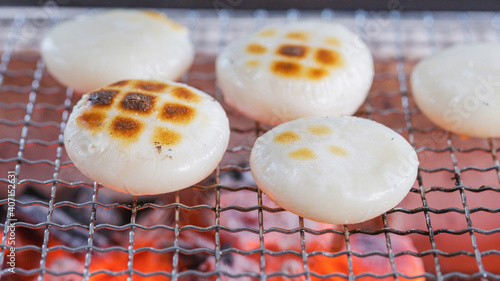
{"points": [[317, 73], [161, 17], [302, 36], [337, 150], [328, 57], [120, 83], [102, 98], [303, 154], [253, 63], [185, 94], [293, 51], [286, 69], [165, 137], [91, 120], [256, 48], [177, 113], [267, 33], [286, 137], [151, 86], [126, 129], [319, 130], [140, 103], [333, 41]]}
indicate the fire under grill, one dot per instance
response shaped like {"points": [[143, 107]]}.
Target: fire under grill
{"points": [[68, 227]]}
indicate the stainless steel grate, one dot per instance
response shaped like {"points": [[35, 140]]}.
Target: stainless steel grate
{"points": [[458, 182]]}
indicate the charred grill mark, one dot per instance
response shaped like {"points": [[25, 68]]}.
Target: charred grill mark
{"points": [[126, 128], [102, 97], [337, 150], [286, 137], [256, 48], [267, 33], [151, 86], [319, 130], [119, 83], [177, 113], [303, 154], [317, 73], [333, 41], [253, 63], [302, 36], [185, 95], [286, 69], [165, 137], [91, 120], [328, 57], [294, 51]]}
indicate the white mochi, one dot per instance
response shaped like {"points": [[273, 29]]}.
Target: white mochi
{"points": [[293, 70], [459, 89], [147, 137], [94, 50]]}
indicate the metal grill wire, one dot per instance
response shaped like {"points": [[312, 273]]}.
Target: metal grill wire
{"points": [[211, 31]]}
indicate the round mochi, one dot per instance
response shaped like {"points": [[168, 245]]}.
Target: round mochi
{"points": [[146, 137], [306, 68], [95, 50], [336, 170], [459, 89]]}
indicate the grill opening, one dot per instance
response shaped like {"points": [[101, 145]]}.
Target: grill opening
{"points": [[224, 228]]}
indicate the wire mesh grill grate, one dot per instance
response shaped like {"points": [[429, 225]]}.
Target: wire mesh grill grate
{"points": [[459, 178]]}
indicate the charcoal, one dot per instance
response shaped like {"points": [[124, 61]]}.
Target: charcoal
{"points": [[63, 216]]}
